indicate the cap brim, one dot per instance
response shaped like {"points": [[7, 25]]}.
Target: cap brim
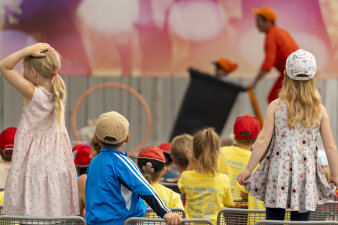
{"points": [[255, 10]]}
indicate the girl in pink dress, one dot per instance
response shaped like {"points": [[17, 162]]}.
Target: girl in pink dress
{"points": [[289, 176], [42, 178]]}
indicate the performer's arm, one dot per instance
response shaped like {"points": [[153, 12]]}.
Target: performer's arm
{"points": [[258, 77], [269, 61]]}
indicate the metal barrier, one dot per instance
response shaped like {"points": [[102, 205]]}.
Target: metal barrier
{"points": [[328, 211], [282, 222], [151, 214], [153, 221], [234, 216], [239, 203], [67, 220]]}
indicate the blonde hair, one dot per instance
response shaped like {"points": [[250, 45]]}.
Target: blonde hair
{"points": [[206, 145], [177, 149], [302, 99], [46, 67], [149, 174], [326, 172]]}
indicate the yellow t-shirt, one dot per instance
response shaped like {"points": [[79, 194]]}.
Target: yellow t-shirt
{"points": [[231, 162], [2, 195], [253, 203], [170, 198], [206, 194]]}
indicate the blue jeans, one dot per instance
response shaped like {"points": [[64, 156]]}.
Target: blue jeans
{"points": [[278, 214]]}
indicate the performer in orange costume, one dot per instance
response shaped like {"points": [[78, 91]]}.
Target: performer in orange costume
{"points": [[278, 46]]}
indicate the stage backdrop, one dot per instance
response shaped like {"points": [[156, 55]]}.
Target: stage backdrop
{"points": [[164, 37]]}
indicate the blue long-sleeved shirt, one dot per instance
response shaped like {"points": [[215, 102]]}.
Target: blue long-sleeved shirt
{"points": [[113, 189]]}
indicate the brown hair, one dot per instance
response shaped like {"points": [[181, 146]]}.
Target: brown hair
{"points": [[149, 174], [302, 100], [245, 141], [6, 157], [95, 145], [46, 67], [177, 149], [206, 148], [326, 172], [227, 142]]}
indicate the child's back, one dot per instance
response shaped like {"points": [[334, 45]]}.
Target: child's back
{"points": [[151, 162], [114, 186], [171, 198], [206, 194], [207, 191], [42, 163], [42, 178], [294, 152]]}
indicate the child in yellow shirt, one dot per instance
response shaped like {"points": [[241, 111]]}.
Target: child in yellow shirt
{"points": [[151, 163], [207, 191], [233, 159]]}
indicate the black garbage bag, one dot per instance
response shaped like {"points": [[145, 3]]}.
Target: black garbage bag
{"points": [[207, 103]]}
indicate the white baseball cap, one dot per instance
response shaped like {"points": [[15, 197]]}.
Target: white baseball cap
{"points": [[301, 62]]}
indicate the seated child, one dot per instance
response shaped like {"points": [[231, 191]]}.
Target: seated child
{"points": [[181, 151], [82, 158], [114, 185], [81, 181], [207, 191], [233, 159], [151, 163], [169, 174], [6, 149]]}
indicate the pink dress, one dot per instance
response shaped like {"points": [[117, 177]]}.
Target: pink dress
{"points": [[42, 180], [289, 176]]}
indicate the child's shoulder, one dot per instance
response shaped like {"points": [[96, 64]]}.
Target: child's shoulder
{"points": [[164, 189], [223, 177]]}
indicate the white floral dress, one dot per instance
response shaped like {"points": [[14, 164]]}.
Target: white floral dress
{"points": [[42, 179], [289, 176]]}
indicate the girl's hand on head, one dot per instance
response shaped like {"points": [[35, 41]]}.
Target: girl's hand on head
{"points": [[38, 49], [243, 176], [172, 218]]}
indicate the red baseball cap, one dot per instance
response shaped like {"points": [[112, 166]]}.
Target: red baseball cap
{"points": [[83, 155], [246, 123], [7, 140], [151, 154], [165, 147]]}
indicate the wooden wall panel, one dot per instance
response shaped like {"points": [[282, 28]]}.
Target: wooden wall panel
{"points": [[164, 97]]}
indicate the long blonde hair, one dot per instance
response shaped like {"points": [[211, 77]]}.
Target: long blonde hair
{"points": [[303, 102], [206, 148], [46, 67]]}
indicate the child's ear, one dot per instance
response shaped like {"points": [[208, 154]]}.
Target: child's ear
{"points": [[163, 171], [34, 72], [127, 138], [96, 139]]}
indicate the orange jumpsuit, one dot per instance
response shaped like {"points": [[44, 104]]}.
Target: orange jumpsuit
{"points": [[278, 46]]}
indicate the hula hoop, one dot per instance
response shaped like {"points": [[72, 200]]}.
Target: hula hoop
{"points": [[130, 91]]}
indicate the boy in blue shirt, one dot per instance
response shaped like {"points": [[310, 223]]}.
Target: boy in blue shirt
{"points": [[114, 184]]}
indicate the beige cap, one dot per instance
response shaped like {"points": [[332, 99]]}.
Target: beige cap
{"points": [[112, 128]]}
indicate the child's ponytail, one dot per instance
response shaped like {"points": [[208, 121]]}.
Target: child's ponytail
{"points": [[59, 89], [147, 172], [206, 145]]}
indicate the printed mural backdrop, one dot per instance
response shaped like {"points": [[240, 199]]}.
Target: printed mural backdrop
{"points": [[164, 37]]}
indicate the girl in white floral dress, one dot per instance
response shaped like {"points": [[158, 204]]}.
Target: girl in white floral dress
{"points": [[289, 176], [42, 178]]}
